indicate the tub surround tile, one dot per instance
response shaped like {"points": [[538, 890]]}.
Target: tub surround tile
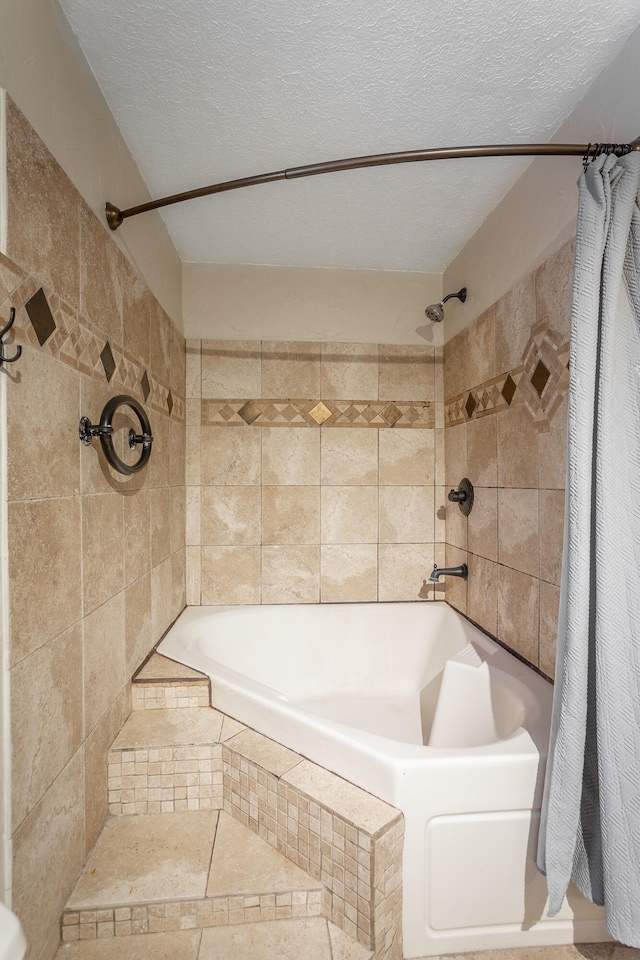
{"points": [[480, 338], [402, 568], [176, 945], [102, 548], [291, 515], [193, 576], [455, 366], [455, 455], [103, 659], [554, 289], [170, 695], [349, 370], [291, 457], [160, 506], [552, 451], [406, 514], [517, 449], [137, 523], [482, 451], [551, 534], [157, 858], [349, 456], [518, 530], [151, 729], [290, 369], [96, 749], [406, 457], [349, 573], [456, 587], [515, 314], [46, 717], [549, 607], [483, 593], [482, 523], [406, 372], [349, 514], [231, 575], [518, 605], [230, 728], [291, 573], [159, 667], [231, 368], [231, 456], [362, 809], [243, 863], [230, 516], [268, 754], [100, 276], [456, 525]]}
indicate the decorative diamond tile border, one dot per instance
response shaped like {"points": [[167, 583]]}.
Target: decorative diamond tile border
{"points": [[47, 323], [540, 383], [314, 413]]}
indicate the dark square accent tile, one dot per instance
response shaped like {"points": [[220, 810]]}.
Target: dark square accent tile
{"points": [[391, 414], [41, 317], [539, 378], [508, 389], [169, 402], [470, 405], [249, 412], [144, 383], [108, 362]]}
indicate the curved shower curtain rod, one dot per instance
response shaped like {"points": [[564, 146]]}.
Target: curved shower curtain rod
{"points": [[590, 151]]}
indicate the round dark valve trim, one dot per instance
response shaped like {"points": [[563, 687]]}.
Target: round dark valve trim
{"points": [[463, 496], [144, 439]]}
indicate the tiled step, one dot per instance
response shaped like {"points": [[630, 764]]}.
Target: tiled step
{"points": [[163, 684], [169, 760], [156, 874]]}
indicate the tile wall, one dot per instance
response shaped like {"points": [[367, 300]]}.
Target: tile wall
{"points": [[96, 559], [314, 471], [505, 388]]}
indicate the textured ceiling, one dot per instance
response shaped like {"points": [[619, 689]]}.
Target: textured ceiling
{"points": [[210, 90]]}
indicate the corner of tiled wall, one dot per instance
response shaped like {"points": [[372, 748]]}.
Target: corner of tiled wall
{"points": [[97, 560], [505, 389], [314, 472]]}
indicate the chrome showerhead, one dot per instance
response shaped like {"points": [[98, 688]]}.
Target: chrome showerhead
{"points": [[435, 311]]}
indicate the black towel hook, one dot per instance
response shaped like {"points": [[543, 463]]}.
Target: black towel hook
{"points": [[3, 333]]}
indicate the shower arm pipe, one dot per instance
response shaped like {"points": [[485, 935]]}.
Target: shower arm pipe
{"points": [[115, 216]]}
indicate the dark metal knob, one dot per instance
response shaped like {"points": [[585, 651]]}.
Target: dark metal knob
{"points": [[457, 496], [463, 496]]}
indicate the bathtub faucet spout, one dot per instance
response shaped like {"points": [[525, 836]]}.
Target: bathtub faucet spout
{"points": [[461, 571]]}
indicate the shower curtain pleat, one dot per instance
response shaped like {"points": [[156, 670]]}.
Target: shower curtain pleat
{"points": [[590, 824]]}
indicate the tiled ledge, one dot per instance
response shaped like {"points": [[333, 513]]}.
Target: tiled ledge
{"points": [[163, 684], [342, 836]]}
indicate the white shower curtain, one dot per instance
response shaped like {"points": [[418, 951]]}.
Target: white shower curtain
{"points": [[590, 828]]}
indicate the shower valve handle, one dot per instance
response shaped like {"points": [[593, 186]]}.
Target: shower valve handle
{"points": [[457, 496]]}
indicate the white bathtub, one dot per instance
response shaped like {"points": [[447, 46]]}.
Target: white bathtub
{"points": [[414, 704]]}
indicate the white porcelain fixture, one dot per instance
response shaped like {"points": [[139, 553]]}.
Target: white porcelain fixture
{"points": [[13, 945], [414, 704]]}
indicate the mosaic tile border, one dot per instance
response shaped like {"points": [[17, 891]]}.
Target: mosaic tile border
{"points": [[166, 695], [76, 342], [314, 413], [540, 382], [165, 780], [126, 921]]}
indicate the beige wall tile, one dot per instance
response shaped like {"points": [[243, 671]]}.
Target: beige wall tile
{"points": [[192, 455], [159, 463], [406, 457], [193, 576], [349, 456], [231, 455], [455, 360], [160, 524], [194, 368], [554, 289], [349, 573], [161, 598], [406, 515], [551, 534], [439, 439], [177, 452], [455, 587], [136, 312], [178, 582], [178, 518], [517, 448], [46, 718], [349, 514], [194, 514], [231, 516], [48, 851], [482, 451], [290, 369], [402, 569], [177, 361], [100, 276], [515, 315], [291, 456], [291, 515], [349, 371], [455, 455], [482, 593], [43, 452], [482, 523], [291, 573], [96, 748], [552, 451], [104, 659], [137, 526], [43, 210], [230, 575], [406, 372], [44, 571], [518, 545], [549, 607], [440, 514], [518, 601], [139, 637], [480, 364], [159, 342], [102, 548], [231, 368]]}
